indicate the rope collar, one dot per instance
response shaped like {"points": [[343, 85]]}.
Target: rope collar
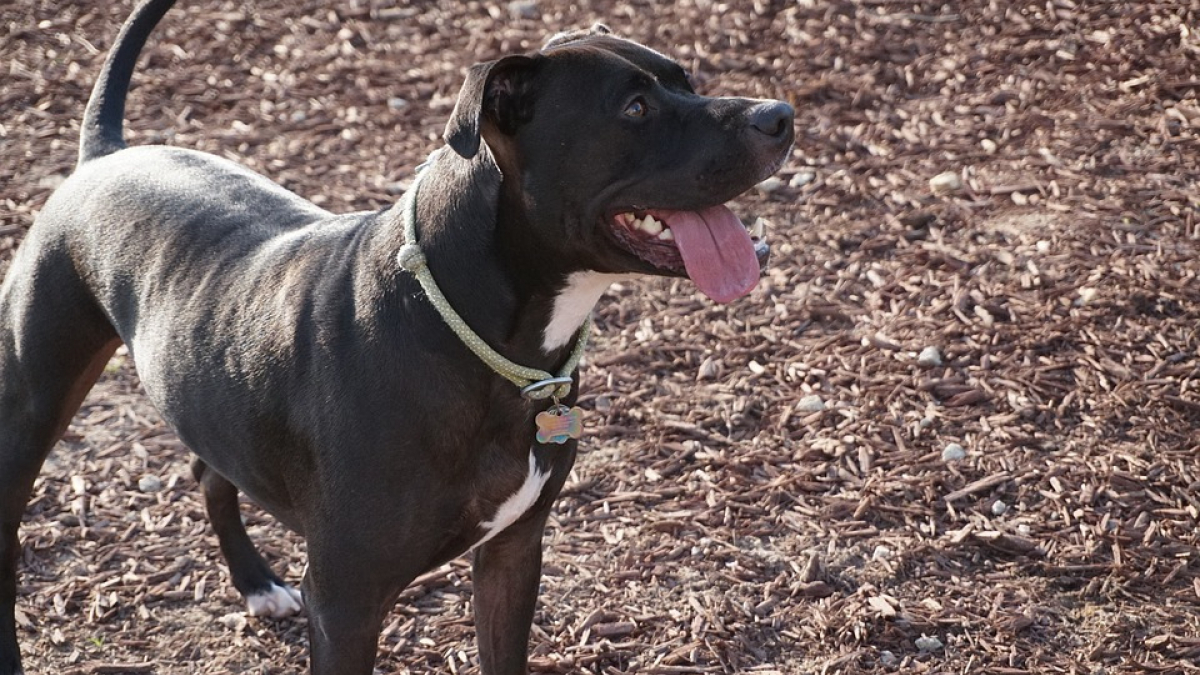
{"points": [[535, 384]]}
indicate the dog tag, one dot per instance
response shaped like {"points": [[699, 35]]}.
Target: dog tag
{"points": [[558, 424]]}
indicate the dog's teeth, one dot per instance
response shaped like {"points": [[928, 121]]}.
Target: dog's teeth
{"points": [[625, 219], [651, 226], [666, 235]]}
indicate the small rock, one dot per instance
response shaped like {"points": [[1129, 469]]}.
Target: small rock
{"points": [[953, 453], [770, 185], [523, 9], [397, 103], [234, 621], [810, 404], [801, 179], [999, 508], [881, 552], [149, 483], [1086, 295], [51, 181], [759, 229], [1043, 246], [710, 369], [946, 183], [603, 404], [989, 146], [929, 644], [888, 659], [929, 357]]}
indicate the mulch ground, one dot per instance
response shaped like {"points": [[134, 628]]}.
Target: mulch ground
{"points": [[784, 485]]}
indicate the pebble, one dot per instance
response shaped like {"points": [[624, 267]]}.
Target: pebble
{"points": [[770, 185], [881, 552], [397, 103], [953, 453], [149, 483], [929, 357], [946, 183], [52, 181], [810, 404], [603, 404], [234, 621], [999, 508], [523, 9], [989, 146], [889, 659], [801, 179], [710, 369], [929, 644]]}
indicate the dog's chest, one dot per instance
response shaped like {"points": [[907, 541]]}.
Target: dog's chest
{"points": [[517, 503]]}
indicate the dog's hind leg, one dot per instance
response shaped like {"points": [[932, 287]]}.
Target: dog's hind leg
{"points": [[54, 343], [265, 593]]}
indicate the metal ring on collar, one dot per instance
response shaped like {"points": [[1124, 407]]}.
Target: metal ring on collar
{"points": [[535, 390]]}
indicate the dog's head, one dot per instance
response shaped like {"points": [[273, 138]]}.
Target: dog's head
{"points": [[618, 164]]}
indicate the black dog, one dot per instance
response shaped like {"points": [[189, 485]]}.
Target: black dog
{"points": [[300, 359]]}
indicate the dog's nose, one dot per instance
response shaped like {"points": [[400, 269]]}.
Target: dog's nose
{"points": [[773, 118]]}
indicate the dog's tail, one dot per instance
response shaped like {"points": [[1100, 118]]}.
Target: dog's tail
{"points": [[102, 129]]}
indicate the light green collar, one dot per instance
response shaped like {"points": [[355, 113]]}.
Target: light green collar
{"points": [[534, 383]]}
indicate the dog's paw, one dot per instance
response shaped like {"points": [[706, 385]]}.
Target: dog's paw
{"points": [[278, 602]]}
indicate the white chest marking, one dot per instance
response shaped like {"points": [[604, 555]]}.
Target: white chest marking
{"points": [[572, 305], [518, 503]]}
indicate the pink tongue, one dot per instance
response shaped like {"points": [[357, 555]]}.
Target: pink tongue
{"points": [[717, 251]]}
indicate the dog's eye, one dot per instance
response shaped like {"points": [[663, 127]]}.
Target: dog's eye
{"points": [[637, 108]]}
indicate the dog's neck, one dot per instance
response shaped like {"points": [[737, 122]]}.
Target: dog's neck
{"points": [[522, 303]]}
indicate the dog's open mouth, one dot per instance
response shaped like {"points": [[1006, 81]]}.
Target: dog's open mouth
{"points": [[711, 246]]}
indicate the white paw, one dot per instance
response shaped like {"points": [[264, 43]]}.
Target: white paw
{"points": [[276, 603]]}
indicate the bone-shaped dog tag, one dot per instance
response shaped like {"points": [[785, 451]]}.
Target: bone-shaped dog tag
{"points": [[558, 424]]}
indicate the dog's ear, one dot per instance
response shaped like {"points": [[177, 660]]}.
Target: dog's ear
{"points": [[500, 90]]}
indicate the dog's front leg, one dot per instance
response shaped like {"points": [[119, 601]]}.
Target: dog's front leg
{"points": [[507, 571], [346, 598]]}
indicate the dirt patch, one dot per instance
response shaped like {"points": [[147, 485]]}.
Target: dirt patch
{"points": [[764, 488]]}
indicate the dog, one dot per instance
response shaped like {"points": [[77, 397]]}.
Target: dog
{"points": [[397, 386]]}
